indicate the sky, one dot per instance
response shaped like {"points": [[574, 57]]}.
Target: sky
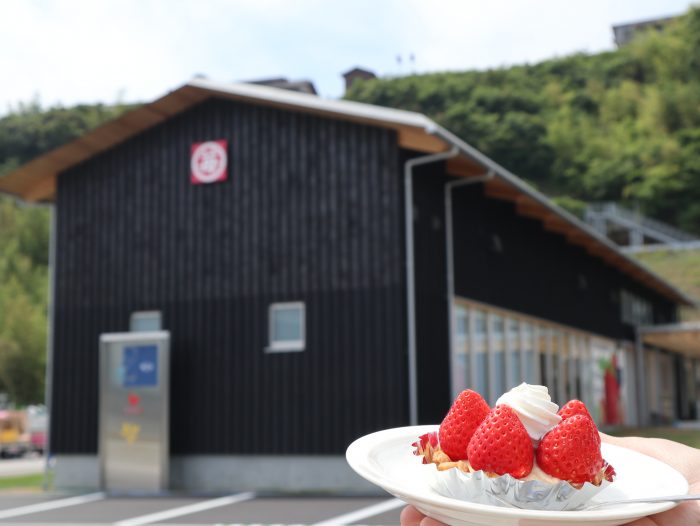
{"points": [[64, 52]]}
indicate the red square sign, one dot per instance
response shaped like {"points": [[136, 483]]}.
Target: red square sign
{"points": [[209, 162]]}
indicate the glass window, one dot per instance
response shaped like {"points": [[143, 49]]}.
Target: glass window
{"points": [[513, 349], [635, 310], [460, 356], [530, 365], [552, 365], [580, 353], [497, 344], [461, 325], [558, 368], [571, 371], [544, 347], [287, 327], [482, 371], [146, 321]]}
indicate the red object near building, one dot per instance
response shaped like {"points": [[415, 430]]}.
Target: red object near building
{"points": [[612, 394]]}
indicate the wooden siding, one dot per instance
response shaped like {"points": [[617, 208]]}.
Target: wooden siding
{"points": [[537, 273], [312, 212]]}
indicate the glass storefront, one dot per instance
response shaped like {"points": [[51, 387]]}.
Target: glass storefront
{"points": [[513, 357], [495, 350]]}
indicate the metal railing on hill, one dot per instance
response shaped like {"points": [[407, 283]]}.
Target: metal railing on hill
{"points": [[642, 232]]}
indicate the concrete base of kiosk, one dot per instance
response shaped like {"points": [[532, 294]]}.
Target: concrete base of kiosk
{"points": [[223, 473]]}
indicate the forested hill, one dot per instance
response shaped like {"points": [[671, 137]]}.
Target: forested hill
{"points": [[28, 130], [622, 125]]}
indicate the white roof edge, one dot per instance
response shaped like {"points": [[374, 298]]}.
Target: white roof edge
{"points": [[384, 115], [362, 110]]}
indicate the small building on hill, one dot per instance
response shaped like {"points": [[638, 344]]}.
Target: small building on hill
{"points": [[355, 74], [625, 33], [326, 269]]}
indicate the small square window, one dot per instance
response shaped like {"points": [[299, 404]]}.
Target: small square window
{"points": [[287, 331]]}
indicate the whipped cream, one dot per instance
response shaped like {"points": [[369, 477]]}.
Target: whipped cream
{"points": [[534, 407]]}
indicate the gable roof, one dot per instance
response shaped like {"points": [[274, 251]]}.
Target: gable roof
{"points": [[35, 181]]}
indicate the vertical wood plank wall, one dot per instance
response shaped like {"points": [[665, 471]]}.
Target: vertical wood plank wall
{"points": [[312, 212], [526, 269]]}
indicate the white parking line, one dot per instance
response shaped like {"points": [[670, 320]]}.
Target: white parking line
{"points": [[51, 505], [186, 510], [363, 513]]}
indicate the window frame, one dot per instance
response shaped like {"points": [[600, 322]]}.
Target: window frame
{"points": [[635, 310], [276, 346], [146, 315]]}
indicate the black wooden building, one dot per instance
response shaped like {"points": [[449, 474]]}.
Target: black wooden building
{"points": [[479, 281]]}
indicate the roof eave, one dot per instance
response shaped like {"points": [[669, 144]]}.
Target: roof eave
{"points": [[523, 187], [35, 181]]}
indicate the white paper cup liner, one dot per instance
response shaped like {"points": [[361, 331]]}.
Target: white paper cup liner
{"points": [[510, 492]]}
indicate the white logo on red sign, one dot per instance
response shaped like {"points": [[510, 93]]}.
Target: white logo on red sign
{"points": [[209, 162]]}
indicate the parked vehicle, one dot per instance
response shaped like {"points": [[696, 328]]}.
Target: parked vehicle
{"points": [[37, 422], [14, 434]]}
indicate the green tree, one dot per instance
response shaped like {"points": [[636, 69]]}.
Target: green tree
{"points": [[25, 133], [23, 292], [620, 125]]}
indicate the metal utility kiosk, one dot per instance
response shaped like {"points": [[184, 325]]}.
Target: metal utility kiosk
{"points": [[134, 411]]}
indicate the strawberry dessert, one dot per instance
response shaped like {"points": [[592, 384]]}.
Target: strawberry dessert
{"points": [[523, 437]]}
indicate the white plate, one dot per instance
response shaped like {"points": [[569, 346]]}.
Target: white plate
{"points": [[386, 459]]}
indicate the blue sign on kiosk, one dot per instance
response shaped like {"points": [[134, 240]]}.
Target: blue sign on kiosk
{"points": [[140, 364]]}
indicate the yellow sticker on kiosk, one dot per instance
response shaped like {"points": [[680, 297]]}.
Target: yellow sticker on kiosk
{"points": [[130, 432]]}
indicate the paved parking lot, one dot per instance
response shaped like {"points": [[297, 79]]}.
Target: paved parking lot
{"points": [[241, 508]]}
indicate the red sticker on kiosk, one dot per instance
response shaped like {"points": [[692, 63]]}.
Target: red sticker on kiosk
{"points": [[209, 162]]}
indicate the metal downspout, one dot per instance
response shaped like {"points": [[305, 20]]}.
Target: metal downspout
{"points": [[410, 275], [449, 256], [48, 382]]}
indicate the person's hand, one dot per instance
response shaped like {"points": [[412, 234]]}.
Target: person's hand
{"points": [[683, 458], [410, 516]]}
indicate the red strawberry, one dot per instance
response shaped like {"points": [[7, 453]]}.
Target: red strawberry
{"points": [[501, 445], [457, 428], [573, 407], [571, 451]]}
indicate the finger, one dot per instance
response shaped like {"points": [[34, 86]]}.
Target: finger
{"points": [[431, 522], [644, 522], [410, 516], [681, 457]]}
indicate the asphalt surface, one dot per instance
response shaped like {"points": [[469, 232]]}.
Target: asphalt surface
{"points": [[93, 509], [236, 509]]}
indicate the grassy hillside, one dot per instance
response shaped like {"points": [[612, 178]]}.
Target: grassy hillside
{"points": [[681, 267]]}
